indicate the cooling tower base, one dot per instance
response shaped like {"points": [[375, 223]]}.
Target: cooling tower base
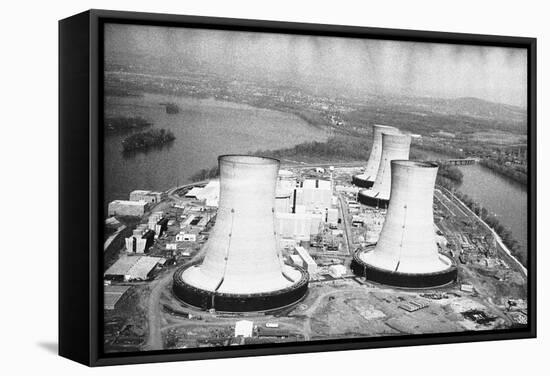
{"points": [[405, 280], [224, 302], [361, 181], [366, 199]]}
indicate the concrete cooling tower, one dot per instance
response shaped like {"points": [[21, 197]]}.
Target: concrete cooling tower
{"points": [[242, 269], [394, 146], [406, 254], [366, 179]]}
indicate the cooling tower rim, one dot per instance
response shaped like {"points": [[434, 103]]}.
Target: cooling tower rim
{"points": [[286, 294], [370, 248], [388, 128], [396, 136], [418, 280], [361, 181], [367, 197], [413, 164], [248, 159]]}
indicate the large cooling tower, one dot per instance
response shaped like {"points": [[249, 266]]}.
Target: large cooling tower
{"points": [[394, 146], [366, 179], [406, 254], [242, 269]]}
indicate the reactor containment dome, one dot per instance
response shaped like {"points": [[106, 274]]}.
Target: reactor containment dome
{"points": [[243, 269], [394, 146], [366, 179], [406, 254]]}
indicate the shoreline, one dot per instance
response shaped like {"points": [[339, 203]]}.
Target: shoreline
{"points": [[285, 110], [497, 237]]}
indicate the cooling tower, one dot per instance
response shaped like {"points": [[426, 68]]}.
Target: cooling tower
{"points": [[394, 146], [406, 254], [242, 268], [366, 179]]}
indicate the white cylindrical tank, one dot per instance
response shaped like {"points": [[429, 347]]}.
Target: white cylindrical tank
{"points": [[241, 255], [407, 250], [366, 179], [394, 146]]}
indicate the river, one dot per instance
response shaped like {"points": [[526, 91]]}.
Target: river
{"points": [[500, 195], [204, 129]]}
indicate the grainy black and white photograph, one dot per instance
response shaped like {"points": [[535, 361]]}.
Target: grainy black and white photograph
{"points": [[266, 188]]}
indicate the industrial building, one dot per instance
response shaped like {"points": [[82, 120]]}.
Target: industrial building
{"points": [[308, 263], [142, 238], [406, 254], [298, 226], [367, 178], [158, 223], [133, 268], [244, 328], [190, 235], [243, 270], [395, 146], [125, 208], [313, 195], [112, 295], [150, 197], [301, 208]]}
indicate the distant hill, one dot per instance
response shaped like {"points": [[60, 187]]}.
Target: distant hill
{"points": [[474, 107], [426, 114]]}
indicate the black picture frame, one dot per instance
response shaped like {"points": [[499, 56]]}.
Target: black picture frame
{"points": [[80, 179]]}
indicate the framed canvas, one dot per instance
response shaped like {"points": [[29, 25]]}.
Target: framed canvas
{"points": [[235, 187]]}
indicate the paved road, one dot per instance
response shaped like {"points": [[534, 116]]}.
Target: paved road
{"points": [[345, 222]]}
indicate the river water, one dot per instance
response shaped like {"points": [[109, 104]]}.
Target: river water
{"points": [[504, 197], [204, 129]]}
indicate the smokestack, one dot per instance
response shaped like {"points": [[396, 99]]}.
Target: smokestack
{"points": [[394, 146], [366, 179], [242, 269], [406, 254]]}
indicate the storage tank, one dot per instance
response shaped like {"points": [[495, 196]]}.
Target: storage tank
{"points": [[366, 179], [242, 268], [407, 254], [394, 146]]}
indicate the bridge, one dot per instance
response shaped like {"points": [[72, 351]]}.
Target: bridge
{"points": [[457, 162]]}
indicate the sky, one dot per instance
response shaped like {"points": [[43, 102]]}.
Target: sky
{"points": [[337, 64]]}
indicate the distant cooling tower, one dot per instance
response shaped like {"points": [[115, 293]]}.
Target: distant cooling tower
{"points": [[366, 179], [394, 146], [242, 269], [406, 254]]}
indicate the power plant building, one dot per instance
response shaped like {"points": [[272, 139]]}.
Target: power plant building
{"points": [[367, 178], [125, 208], [298, 226], [395, 146], [308, 262], [314, 195], [147, 196], [243, 269], [406, 254], [142, 238]]}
